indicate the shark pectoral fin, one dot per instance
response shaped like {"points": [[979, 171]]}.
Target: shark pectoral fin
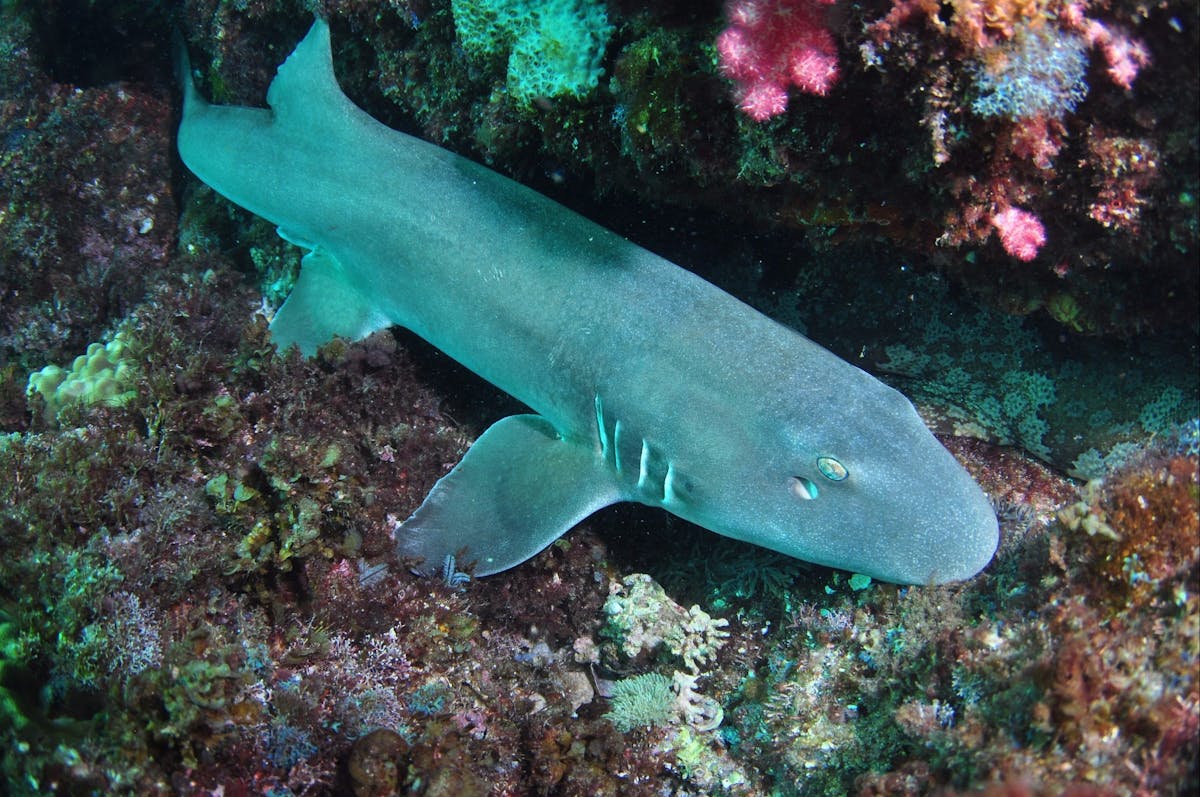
{"points": [[519, 488], [322, 305]]}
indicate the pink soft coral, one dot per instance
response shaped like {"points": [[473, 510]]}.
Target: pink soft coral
{"points": [[1125, 56], [772, 44], [1021, 232]]}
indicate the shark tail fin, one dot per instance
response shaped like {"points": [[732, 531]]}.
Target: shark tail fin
{"points": [[183, 72]]}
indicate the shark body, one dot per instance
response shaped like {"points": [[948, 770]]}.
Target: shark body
{"points": [[646, 383]]}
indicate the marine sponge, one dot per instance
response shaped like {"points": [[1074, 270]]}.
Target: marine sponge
{"points": [[554, 47], [101, 376]]}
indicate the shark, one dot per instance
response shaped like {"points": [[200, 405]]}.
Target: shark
{"points": [[645, 383]]}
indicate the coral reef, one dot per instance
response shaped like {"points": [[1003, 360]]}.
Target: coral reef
{"points": [[554, 48], [199, 592]]}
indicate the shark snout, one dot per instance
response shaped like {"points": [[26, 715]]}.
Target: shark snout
{"points": [[951, 533]]}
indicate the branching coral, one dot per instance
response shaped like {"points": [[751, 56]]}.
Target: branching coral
{"points": [[643, 619]]}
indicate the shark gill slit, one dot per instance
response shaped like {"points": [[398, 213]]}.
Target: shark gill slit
{"points": [[668, 486], [644, 465], [652, 479], [656, 475], [600, 430], [616, 446]]}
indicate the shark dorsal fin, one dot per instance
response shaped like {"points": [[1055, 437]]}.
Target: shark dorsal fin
{"points": [[305, 88]]}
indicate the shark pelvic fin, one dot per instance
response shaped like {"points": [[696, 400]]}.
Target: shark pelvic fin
{"points": [[322, 305], [519, 488]]}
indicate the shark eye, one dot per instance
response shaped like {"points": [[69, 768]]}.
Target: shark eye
{"points": [[832, 469], [803, 488]]}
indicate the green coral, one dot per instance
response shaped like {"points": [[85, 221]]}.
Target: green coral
{"points": [[554, 47], [13, 652], [707, 766], [1092, 464], [643, 701], [1163, 412], [101, 376], [652, 700]]}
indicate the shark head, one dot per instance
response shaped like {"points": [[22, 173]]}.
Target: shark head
{"points": [[862, 485]]}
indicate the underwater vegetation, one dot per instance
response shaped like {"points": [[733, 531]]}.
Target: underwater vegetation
{"points": [[198, 590]]}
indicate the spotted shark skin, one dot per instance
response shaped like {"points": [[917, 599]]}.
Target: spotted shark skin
{"points": [[645, 382]]}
